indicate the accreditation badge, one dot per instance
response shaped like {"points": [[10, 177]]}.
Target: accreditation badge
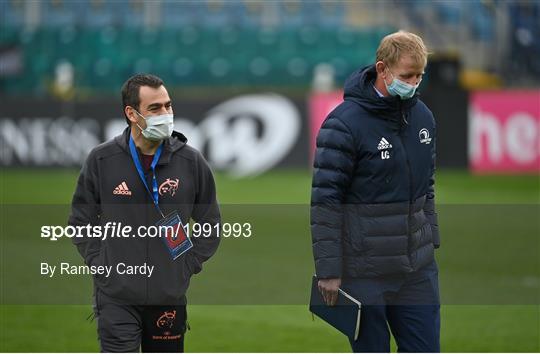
{"points": [[173, 233]]}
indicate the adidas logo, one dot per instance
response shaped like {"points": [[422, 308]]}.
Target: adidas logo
{"points": [[122, 189], [384, 144]]}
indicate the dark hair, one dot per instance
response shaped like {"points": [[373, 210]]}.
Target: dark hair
{"points": [[131, 88]]}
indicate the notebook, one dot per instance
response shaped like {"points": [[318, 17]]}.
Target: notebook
{"points": [[344, 316]]}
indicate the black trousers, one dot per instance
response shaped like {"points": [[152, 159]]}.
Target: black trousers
{"points": [[134, 328]]}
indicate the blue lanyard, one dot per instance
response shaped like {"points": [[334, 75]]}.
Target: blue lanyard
{"points": [[135, 156]]}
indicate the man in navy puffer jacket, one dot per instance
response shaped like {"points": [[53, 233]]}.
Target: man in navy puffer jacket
{"points": [[373, 221]]}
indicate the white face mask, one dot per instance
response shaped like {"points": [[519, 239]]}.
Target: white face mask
{"points": [[158, 127]]}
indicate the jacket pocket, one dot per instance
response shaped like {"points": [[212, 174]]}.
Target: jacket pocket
{"points": [[357, 243], [101, 261], [192, 264], [353, 232], [423, 236], [429, 233], [102, 257], [98, 259]]}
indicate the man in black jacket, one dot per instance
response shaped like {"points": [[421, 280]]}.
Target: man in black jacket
{"points": [[146, 177], [373, 221]]}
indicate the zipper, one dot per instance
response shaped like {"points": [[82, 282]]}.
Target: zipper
{"points": [[409, 172], [147, 251], [146, 278], [403, 122], [408, 167]]}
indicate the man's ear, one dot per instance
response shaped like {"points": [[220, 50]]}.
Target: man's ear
{"points": [[380, 67], [130, 114]]}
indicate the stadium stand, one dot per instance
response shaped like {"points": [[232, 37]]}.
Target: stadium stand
{"points": [[235, 43]]}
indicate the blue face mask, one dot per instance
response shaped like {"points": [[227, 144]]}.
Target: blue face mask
{"points": [[400, 88]]}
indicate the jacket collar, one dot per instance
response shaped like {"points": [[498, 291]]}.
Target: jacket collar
{"points": [[359, 89], [174, 143]]}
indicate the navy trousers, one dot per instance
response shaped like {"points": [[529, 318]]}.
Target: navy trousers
{"points": [[408, 306]]}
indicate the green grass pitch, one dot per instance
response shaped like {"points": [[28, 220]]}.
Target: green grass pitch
{"points": [[499, 325]]}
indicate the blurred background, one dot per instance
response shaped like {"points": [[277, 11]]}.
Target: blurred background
{"points": [[251, 82], [63, 63]]}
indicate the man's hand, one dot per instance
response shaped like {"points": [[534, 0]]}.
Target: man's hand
{"points": [[329, 290]]}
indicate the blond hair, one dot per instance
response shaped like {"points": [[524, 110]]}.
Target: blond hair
{"points": [[396, 45]]}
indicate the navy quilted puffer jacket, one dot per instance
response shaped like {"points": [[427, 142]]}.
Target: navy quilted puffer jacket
{"points": [[372, 198]]}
